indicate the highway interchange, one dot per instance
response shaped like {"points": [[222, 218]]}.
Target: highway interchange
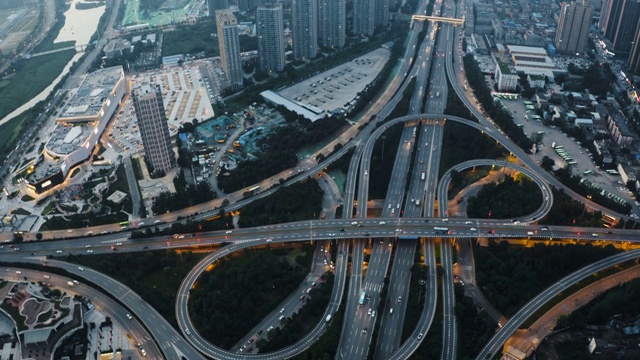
{"points": [[407, 215]]}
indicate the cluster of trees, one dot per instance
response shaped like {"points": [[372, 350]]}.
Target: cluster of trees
{"points": [[509, 275], [230, 300], [464, 143], [186, 195], [279, 149], [500, 116], [156, 275], [325, 347], [618, 300], [510, 198], [301, 323], [382, 159], [567, 211], [292, 203], [475, 326], [595, 78]]}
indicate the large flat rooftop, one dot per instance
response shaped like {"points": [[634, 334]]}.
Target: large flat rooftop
{"points": [[335, 88], [88, 99]]}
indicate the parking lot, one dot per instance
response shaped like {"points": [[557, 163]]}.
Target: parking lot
{"points": [[574, 152], [335, 88], [187, 95]]}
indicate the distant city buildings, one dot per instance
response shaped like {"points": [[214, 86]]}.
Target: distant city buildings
{"points": [[619, 23], [573, 27], [633, 64], [270, 31], [217, 5], [154, 130], [382, 13], [305, 29], [363, 17], [229, 44], [332, 22]]}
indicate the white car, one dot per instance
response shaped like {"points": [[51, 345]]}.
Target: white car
{"points": [[47, 277], [129, 317], [229, 232], [80, 268], [58, 251]]}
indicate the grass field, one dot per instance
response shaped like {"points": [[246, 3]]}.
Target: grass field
{"points": [[34, 76], [9, 132], [191, 39]]}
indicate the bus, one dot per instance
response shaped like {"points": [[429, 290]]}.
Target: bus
{"points": [[362, 297], [254, 189], [414, 132], [441, 230], [124, 223], [587, 172], [572, 163]]}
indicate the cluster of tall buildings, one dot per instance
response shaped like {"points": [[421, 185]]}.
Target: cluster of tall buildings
{"points": [[618, 22], [620, 25], [573, 27], [313, 23]]}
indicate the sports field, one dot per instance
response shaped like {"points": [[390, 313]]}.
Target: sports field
{"points": [[168, 11]]}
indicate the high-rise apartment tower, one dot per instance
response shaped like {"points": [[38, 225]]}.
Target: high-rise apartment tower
{"points": [[270, 31], [229, 44], [305, 28], [152, 121]]}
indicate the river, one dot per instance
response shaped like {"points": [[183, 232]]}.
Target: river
{"points": [[79, 26]]}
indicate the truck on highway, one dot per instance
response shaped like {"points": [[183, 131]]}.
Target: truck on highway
{"points": [[70, 284], [423, 175], [362, 298], [414, 132], [328, 318], [417, 202]]}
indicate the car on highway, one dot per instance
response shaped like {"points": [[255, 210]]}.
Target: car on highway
{"points": [[270, 328], [473, 229], [80, 268], [281, 310], [281, 318], [229, 232], [89, 251], [594, 234], [47, 277], [369, 311], [129, 316], [58, 251], [399, 299], [420, 336]]}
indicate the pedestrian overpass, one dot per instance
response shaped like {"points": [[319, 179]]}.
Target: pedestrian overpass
{"points": [[454, 21]]}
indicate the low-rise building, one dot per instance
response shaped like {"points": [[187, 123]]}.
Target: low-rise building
{"points": [[619, 130], [117, 47], [506, 79], [536, 81]]}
